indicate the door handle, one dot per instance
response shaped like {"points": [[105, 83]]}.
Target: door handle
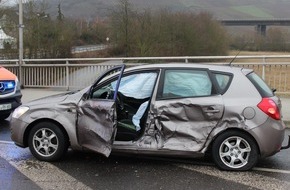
{"points": [[211, 110]]}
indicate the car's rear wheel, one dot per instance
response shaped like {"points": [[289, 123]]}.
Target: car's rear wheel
{"points": [[235, 150], [47, 142]]}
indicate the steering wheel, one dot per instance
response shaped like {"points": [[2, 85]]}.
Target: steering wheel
{"points": [[119, 100]]}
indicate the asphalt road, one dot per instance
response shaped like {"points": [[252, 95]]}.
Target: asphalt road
{"points": [[78, 170]]}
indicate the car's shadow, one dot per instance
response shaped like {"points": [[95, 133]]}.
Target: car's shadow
{"points": [[76, 156], [4, 123], [4, 130]]}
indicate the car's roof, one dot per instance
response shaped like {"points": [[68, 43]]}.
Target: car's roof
{"points": [[221, 67]]}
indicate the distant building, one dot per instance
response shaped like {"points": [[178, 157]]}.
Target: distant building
{"points": [[4, 38]]}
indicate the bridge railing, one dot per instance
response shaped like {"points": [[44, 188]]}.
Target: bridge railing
{"points": [[80, 72]]}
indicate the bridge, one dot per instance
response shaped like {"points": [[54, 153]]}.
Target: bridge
{"points": [[261, 24], [76, 73]]}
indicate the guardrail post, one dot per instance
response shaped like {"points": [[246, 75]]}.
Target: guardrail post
{"points": [[20, 62], [67, 74], [263, 68], [186, 60]]}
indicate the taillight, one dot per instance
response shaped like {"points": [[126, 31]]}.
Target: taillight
{"points": [[269, 107]]}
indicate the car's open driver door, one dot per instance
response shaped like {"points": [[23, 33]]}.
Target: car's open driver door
{"points": [[97, 118]]}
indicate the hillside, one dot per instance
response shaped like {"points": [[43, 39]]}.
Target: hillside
{"points": [[221, 9]]}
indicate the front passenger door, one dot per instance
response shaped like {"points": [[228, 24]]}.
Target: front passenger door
{"points": [[97, 117]]}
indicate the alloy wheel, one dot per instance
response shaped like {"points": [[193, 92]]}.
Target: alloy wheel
{"points": [[45, 142], [235, 152]]}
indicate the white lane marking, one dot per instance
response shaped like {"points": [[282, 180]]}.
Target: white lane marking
{"points": [[6, 142], [251, 179], [44, 174], [272, 170]]}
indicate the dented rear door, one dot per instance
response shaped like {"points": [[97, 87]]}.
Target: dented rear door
{"points": [[187, 109]]}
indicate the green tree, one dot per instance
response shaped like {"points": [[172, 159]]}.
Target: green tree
{"points": [[46, 37]]}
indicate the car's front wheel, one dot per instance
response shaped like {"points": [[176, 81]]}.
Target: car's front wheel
{"points": [[47, 142], [235, 150]]}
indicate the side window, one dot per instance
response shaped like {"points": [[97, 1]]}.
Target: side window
{"points": [[105, 92], [186, 83], [138, 85], [223, 81]]}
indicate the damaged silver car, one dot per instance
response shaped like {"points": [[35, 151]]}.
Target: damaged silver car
{"points": [[181, 110]]}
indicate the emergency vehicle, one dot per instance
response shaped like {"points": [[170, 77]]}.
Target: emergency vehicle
{"points": [[10, 94]]}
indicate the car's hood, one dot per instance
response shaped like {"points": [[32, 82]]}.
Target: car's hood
{"points": [[67, 97], [6, 75]]}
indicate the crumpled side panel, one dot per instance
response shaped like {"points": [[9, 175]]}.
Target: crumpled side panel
{"points": [[230, 120], [194, 135], [184, 127], [181, 125], [152, 138], [97, 125]]}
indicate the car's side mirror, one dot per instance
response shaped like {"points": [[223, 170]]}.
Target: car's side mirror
{"points": [[86, 95]]}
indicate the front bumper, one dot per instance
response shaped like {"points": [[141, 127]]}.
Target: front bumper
{"points": [[14, 100], [17, 129]]}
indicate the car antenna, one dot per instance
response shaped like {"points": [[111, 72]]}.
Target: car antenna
{"points": [[230, 64]]}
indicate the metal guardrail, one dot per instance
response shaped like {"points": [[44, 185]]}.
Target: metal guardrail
{"points": [[80, 72]]}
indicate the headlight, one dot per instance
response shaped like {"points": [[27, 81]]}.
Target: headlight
{"points": [[18, 112], [17, 84]]}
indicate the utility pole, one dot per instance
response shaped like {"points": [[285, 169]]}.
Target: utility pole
{"points": [[20, 42]]}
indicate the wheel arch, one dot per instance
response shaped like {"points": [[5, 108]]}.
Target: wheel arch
{"points": [[31, 125], [208, 150]]}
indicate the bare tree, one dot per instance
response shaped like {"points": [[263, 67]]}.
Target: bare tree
{"points": [[122, 23], [46, 37]]}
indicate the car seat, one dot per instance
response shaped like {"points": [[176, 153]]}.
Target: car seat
{"points": [[129, 129]]}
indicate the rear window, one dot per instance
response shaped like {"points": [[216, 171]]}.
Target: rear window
{"points": [[223, 81], [186, 83], [260, 85]]}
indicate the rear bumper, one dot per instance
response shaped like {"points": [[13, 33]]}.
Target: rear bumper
{"points": [[288, 144], [269, 137], [14, 100]]}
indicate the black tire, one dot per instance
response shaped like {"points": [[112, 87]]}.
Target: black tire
{"points": [[230, 155], [50, 140], [4, 116]]}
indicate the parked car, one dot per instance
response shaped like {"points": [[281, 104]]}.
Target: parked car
{"points": [[10, 95], [159, 109]]}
